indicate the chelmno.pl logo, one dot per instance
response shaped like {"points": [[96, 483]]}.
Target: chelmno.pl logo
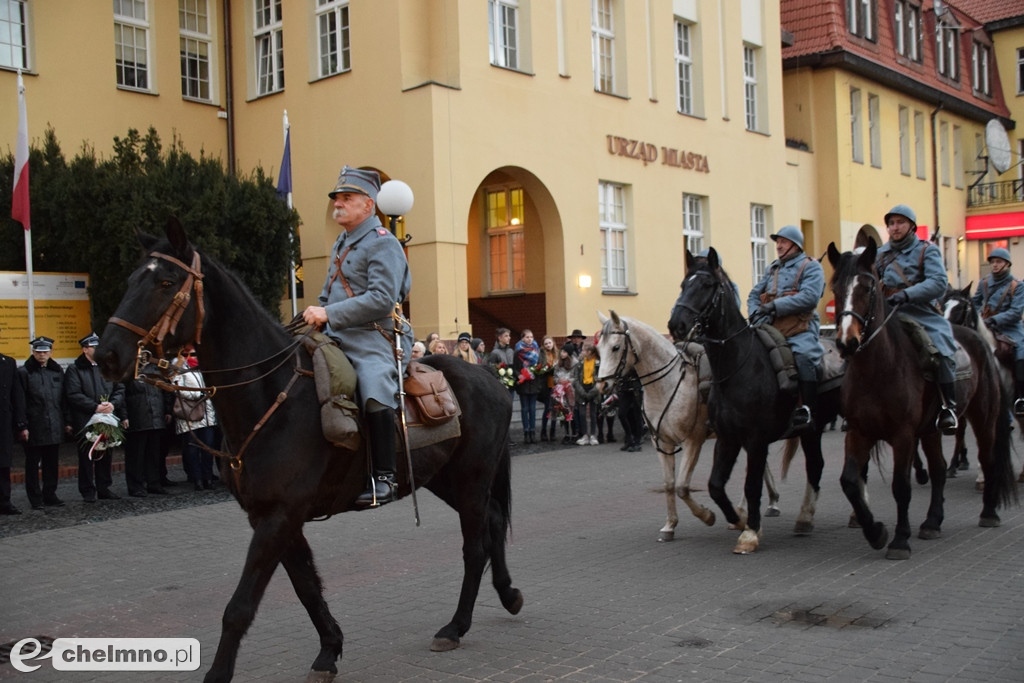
{"points": [[108, 654]]}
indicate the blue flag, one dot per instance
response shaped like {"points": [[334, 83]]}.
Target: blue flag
{"points": [[284, 178]]}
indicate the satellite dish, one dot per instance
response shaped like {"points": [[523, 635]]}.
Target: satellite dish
{"points": [[998, 145]]}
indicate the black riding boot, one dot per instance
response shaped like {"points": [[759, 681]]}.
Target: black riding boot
{"points": [[947, 422], [381, 428], [1018, 376], [802, 418]]}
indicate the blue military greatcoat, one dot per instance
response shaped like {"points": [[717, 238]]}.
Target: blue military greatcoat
{"points": [[1001, 302], [796, 286], [373, 263], [923, 278]]}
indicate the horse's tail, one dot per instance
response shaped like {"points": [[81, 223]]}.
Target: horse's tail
{"points": [[501, 490], [788, 453], [1002, 462]]}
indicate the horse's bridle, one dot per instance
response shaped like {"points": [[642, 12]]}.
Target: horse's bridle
{"points": [[701, 316], [168, 322], [865, 323]]}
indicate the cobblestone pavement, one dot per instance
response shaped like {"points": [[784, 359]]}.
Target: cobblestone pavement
{"points": [[603, 600]]}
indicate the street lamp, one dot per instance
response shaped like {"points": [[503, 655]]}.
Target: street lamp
{"points": [[395, 200]]}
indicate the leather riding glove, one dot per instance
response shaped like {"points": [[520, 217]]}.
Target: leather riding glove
{"points": [[900, 297]]}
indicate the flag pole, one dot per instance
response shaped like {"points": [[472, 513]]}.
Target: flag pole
{"points": [[291, 268], [20, 199]]}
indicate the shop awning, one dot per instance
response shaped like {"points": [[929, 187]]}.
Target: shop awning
{"points": [[995, 226]]}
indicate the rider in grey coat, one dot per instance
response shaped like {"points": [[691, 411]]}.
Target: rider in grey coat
{"points": [[787, 297], [913, 277], [1000, 299], [368, 275]]}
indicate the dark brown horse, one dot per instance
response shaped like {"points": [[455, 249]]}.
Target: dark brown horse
{"points": [[886, 397], [286, 473]]}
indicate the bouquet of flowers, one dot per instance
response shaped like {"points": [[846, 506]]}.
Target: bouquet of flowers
{"points": [[505, 375], [541, 369], [525, 375], [562, 401], [103, 431]]}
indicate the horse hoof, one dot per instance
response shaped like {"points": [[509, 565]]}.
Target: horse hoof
{"points": [[772, 511], [320, 677], [929, 534], [951, 472], [444, 644], [803, 528], [881, 536], [853, 523], [747, 543], [516, 604], [989, 522], [922, 477], [897, 554], [666, 536]]}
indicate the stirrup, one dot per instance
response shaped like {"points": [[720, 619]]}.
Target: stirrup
{"points": [[947, 422], [1018, 407], [381, 491], [801, 416]]}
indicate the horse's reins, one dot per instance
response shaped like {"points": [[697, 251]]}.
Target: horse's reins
{"points": [[866, 322], [701, 317]]}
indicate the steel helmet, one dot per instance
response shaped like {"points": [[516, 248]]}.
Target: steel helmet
{"points": [[791, 233], [902, 210], [999, 252]]}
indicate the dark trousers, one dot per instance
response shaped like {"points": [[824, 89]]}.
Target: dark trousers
{"points": [[630, 416], [93, 475], [49, 458], [196, 461], [5, 486], [142, 460]]}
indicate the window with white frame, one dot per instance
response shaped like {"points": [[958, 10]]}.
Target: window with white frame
{"points": [[860, 18], [332, 34], [874, 131], [907, 20], [981, 58], [13, 34], [947, 48], [504, 214], [612, 210], [750, 93], [503, 22], [684, 68], [131, 44], [904, 141], [958, 158], [856, 126], [758, 240], [602, 32], [693, 222], [944, 152], [919, 145], [268, 40], [1020, 70], [195, 47]]}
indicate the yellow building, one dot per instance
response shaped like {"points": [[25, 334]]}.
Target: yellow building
{"points": [[549, 143]]}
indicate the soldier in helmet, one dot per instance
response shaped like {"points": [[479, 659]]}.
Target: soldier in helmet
{"points": [[1000, 298], [787, 297], [913, 276], [367, 277]]}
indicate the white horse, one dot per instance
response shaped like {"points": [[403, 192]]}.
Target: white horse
{"points": [[675, 415]]}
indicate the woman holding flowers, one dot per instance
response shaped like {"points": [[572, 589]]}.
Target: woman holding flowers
{"points": [[546, 376], [525, 367]]}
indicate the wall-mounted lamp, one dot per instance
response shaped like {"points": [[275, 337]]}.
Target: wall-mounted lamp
{"points": [[584, 281], [395, 199]]}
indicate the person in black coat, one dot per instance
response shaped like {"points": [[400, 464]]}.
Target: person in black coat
{"points": [[85, 394], [12, 423], [149, 412], [40, 380]]}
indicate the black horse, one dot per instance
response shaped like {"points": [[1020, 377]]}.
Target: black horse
{"points": [[281, 469], [746, 406]]}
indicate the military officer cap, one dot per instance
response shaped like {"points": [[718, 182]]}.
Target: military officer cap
{"points": [[791, 233], [91, 339], [902, 210], [358, 180], [42, 344], [999, 252]]}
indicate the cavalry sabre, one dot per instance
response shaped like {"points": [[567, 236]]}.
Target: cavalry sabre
{"points": [[398, 318]]}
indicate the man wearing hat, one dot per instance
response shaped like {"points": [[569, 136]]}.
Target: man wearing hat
{"points": [[787, 297], [367, 277], [40, 380], [912, 278], [12, 424], [576, 338], [1000, 298], [85, 394]]}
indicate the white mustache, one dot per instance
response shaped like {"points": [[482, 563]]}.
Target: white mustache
{"points": [[336, 213]]}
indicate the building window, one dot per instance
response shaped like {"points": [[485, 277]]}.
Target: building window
{"points": [[332, 30], [194, 39], [947, 48], [908, 29], [750, 93], [1020, 70], [856, 126], [611, 200], [860, 18], [268, 38], [944, 152], [684, 69], [758, 240], [904, 141], [503, 23], [13, 34], [602, 31], [131, 44], [981, 58], [506, 243], [874, 131], [693, 223], [919, 144], [958, 158]]}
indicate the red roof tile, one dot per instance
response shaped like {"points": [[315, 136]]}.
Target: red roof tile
{"points": [[985, 11]]}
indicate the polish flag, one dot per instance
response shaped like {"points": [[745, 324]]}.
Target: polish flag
{"points": [[19, 200]]}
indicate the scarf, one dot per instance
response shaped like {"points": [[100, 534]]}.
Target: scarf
{"points": [[528, 354]]}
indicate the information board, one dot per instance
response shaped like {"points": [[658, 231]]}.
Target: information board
{"points": [[61, 308]]}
